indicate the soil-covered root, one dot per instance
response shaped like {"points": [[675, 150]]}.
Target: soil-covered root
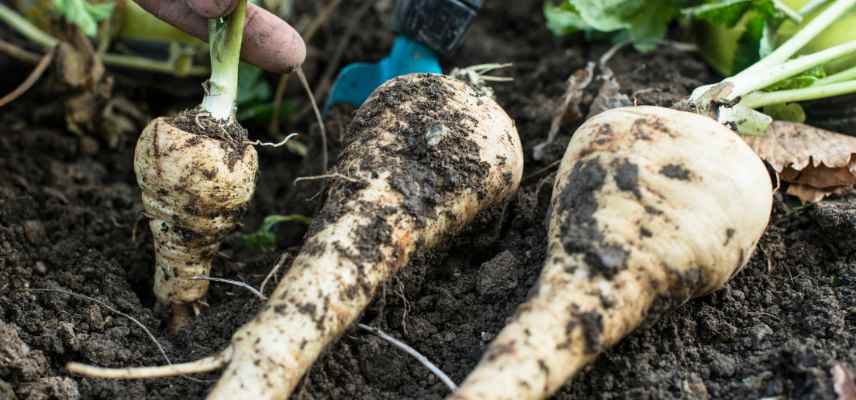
{"points": [[424, 156], [196, 178], [651, 208]]}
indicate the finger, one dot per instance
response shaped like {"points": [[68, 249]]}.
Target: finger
{"points": [[269, 42], [212, 8]]}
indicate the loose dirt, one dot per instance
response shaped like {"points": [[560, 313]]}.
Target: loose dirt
{"points": [[70, 212]]}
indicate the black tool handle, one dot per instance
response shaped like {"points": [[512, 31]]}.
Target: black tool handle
{"points": [[438, 24]]}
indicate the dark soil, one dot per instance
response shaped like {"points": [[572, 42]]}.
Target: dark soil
{"points": [[69, 213]]}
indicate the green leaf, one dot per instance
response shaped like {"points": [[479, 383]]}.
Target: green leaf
{"points": [[767, 44], [264, 239], [649, 26], [643, 22], [800, 81], [84, 14], [563, 19], [608, 15], [744, 120], [252, 87], [748, 50], [262, 112], [723, 12], [99, 11], [792, 112], [730, 12]]}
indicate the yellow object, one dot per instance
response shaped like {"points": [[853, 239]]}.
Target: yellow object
{"points": [[842, 31], [138, 24], [129, 21]]}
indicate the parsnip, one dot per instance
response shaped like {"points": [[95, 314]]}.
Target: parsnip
{"points": [[197, 172], [194, 188], [426, 154], [651, 207]]}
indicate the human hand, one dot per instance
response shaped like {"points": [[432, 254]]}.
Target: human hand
{"points": [[269, 42]]}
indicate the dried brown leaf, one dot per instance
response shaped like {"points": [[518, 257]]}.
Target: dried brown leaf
{"points": [[794, 145], [568, 110], [816, 162], [808, 194], [77, 63], [843, 382], [609, 95], [821, 177]]}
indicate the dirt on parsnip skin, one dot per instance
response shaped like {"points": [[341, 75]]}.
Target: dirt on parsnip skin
{"points": [[67, 218]]}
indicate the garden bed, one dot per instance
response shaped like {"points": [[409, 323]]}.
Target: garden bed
{"points": [[70, 219]]}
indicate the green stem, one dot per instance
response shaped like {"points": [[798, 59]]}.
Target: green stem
{"points": [[225, 36], [802, 38], [811, 6], [145, 64], [743, 84], [761, 99], [775, 67], [790, 12], [846, 75], [47, 42], [26, 28]]}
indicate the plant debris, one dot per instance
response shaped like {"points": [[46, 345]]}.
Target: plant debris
{"points": [[816, 162]]}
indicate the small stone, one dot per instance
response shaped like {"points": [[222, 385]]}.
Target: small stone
{"points": [[6, 391], [722, 365], [88, 146], [435, 134], [760, 331], [69, 337], [41, 268], [498, 276], [96, 319], [34, 231], [738, 295], [695, 387]]}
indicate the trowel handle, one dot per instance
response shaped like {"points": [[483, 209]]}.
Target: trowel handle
{"points": [[438, 24]]}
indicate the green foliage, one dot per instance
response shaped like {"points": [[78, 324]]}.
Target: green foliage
{"points": [[84, 14], [251, 84], [645, 22], [759, 19], [800, 81], [730, 12], [564, 19], [264, 239], [792, 112], [255, 97], [642, 22]]}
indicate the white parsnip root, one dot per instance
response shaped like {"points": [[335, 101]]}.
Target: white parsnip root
{"points": [[426, 154], [197, 173], [194, 188], [651, 208]]}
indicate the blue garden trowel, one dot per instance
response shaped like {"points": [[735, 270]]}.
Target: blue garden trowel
{"points": [[426, 29]]}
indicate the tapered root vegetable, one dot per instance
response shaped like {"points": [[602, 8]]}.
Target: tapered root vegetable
{"points": [[651, 207], [195, 187], [425, 155], [197, 173]]}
